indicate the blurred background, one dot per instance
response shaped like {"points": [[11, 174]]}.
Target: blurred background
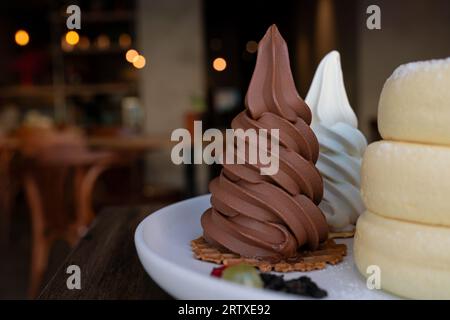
{"points": [[86, 115]]}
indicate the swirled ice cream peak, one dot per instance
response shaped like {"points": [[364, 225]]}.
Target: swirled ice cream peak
{"points": [[327, 97], [341, 144]]}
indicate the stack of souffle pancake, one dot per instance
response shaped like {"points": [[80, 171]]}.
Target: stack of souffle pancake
{"points": [[405, 182]]}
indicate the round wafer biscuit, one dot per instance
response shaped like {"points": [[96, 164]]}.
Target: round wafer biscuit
{"points": [[328, 253]]}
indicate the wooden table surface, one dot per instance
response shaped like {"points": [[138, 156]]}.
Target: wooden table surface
{"points": [[110, 268]]}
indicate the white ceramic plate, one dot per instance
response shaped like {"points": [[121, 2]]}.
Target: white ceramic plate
{"points": [[163, 245]]}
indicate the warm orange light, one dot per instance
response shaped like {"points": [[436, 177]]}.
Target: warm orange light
{"points": [[251, 46], [22, 38], [219, 64], [103, 41], [124, 40], [131, 55], [84, 43], [72, 37], [139, 62]]}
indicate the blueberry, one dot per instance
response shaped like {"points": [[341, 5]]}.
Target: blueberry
{"points": [[272, 282], [302, 286], [305, 286]]}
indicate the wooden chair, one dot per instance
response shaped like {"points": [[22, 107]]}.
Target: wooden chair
{"points": [[127, 169], [59, 175], [6, 187]]}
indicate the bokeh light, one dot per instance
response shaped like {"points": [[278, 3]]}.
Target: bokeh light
{"points": [[251, 46], [124, 40], [139, 62], [219, 64], [72, 37], [22, 38], [84, 43], [131, 55], [103, 42]]}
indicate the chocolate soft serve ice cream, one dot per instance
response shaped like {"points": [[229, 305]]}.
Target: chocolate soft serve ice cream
{"points": [[270, 216]]}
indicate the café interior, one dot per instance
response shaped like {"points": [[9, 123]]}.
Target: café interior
{"points": [[86, 114]]}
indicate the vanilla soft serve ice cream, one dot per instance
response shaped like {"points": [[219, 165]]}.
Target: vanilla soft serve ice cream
{"points": [[341, 144]]}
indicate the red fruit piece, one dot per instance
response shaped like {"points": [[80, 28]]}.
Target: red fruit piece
{"points": [[217, 272]]}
